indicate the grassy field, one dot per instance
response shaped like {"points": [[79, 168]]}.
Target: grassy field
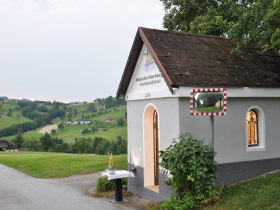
{"points": [[119, 113], [29, 135], [54, 165], [79, 107], [208, 109], [16, 116], [6, 121], [259, 193], [71, 132]]}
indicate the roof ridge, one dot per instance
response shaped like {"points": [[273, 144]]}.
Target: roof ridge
{"points": [[186, 33]]}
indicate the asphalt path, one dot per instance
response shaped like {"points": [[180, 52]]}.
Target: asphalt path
{"points": [[19, 191]]}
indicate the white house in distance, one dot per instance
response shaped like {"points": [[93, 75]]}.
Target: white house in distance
{"points": [[163, 70]]}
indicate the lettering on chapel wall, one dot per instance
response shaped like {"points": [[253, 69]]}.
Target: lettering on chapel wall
{"points": [[150, 76]]}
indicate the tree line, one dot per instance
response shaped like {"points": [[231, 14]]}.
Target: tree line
{"points": [[97, 145]]}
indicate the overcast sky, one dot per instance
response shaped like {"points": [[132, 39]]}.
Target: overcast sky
{"points": [[69, 50]]}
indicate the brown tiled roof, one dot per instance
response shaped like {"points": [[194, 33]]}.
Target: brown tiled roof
{"points": [[186, 59]]}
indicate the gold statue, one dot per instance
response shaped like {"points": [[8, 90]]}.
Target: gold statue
{"points": [[111, 169], [110, 159]]}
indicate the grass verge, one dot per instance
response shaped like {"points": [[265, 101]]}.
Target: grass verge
{"points": [[55, 165], [258, 193]]}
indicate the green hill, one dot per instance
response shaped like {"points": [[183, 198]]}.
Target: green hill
{"points": [[11, 114], [104, 118]]}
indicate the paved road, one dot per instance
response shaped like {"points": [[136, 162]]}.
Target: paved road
{"points": [[19, 191]]}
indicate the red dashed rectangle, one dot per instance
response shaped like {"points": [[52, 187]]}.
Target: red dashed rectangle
{"points": [[196, 113]]}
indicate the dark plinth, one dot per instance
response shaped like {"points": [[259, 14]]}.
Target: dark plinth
{"points": [[118, 190]]}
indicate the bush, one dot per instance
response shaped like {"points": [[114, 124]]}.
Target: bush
{"points": [[188, 202], [193, 170], [104, 185]]}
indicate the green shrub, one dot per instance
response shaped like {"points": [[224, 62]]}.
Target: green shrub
{"points": [[193, 170], [188, 202], [104, 185]]}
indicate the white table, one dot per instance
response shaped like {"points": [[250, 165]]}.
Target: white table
{"points": [[118, 181]]}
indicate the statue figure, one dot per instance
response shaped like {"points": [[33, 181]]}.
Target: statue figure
{"points": [[110, 169]]}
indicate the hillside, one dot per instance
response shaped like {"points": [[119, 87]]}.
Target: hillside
{"points": [[109, 130], [104, 118], [10, 114]]}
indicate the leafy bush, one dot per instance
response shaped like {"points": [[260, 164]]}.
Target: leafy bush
{"points": [[193, 170], [86, 130], [188, 202], [104, 185]]}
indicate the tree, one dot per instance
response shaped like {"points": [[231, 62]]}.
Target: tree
{"points": [[33, 144], [85, 131], [1, 104], [60, 126], [47, 142], [82, 146], [121, 122], [19, 140], [9, 113], [75, 112], [94, 129], [91, 107], [248, 21]]}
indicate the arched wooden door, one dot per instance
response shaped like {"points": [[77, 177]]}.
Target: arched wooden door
{"points": [[156, 147]]}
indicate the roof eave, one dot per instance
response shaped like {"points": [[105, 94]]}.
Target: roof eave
{"points": [[130, 65], [156, 59], [139, 40]]}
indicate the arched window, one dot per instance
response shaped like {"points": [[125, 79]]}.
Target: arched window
{"points": [[252, 128]]}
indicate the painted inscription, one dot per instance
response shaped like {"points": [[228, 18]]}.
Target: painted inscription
{"points": [[151, 79], [149, 76]]}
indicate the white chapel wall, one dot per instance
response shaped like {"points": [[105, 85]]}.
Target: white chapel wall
{"points": [[230, 130], [147, 81], [168, 112]]}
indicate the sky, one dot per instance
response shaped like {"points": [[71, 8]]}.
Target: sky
{"points": [[69, 50]]}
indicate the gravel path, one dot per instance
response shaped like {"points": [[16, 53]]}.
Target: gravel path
{"points": [[48, 129], [19, 191]]}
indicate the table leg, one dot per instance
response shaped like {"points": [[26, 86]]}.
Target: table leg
{"points": [[118, 190]]}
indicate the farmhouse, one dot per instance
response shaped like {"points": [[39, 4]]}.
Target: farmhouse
{"points": [[109, 120], [164, 70], [6, 146]]}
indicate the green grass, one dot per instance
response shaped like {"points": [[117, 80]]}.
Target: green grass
{"points": [[29, 135], [112, 115], [255, 194], [74, 131], [54, 165], [69, 133], [208, 109], [259, 193], [10, 104], [15, 118], [79, 107], [6, 121]]}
